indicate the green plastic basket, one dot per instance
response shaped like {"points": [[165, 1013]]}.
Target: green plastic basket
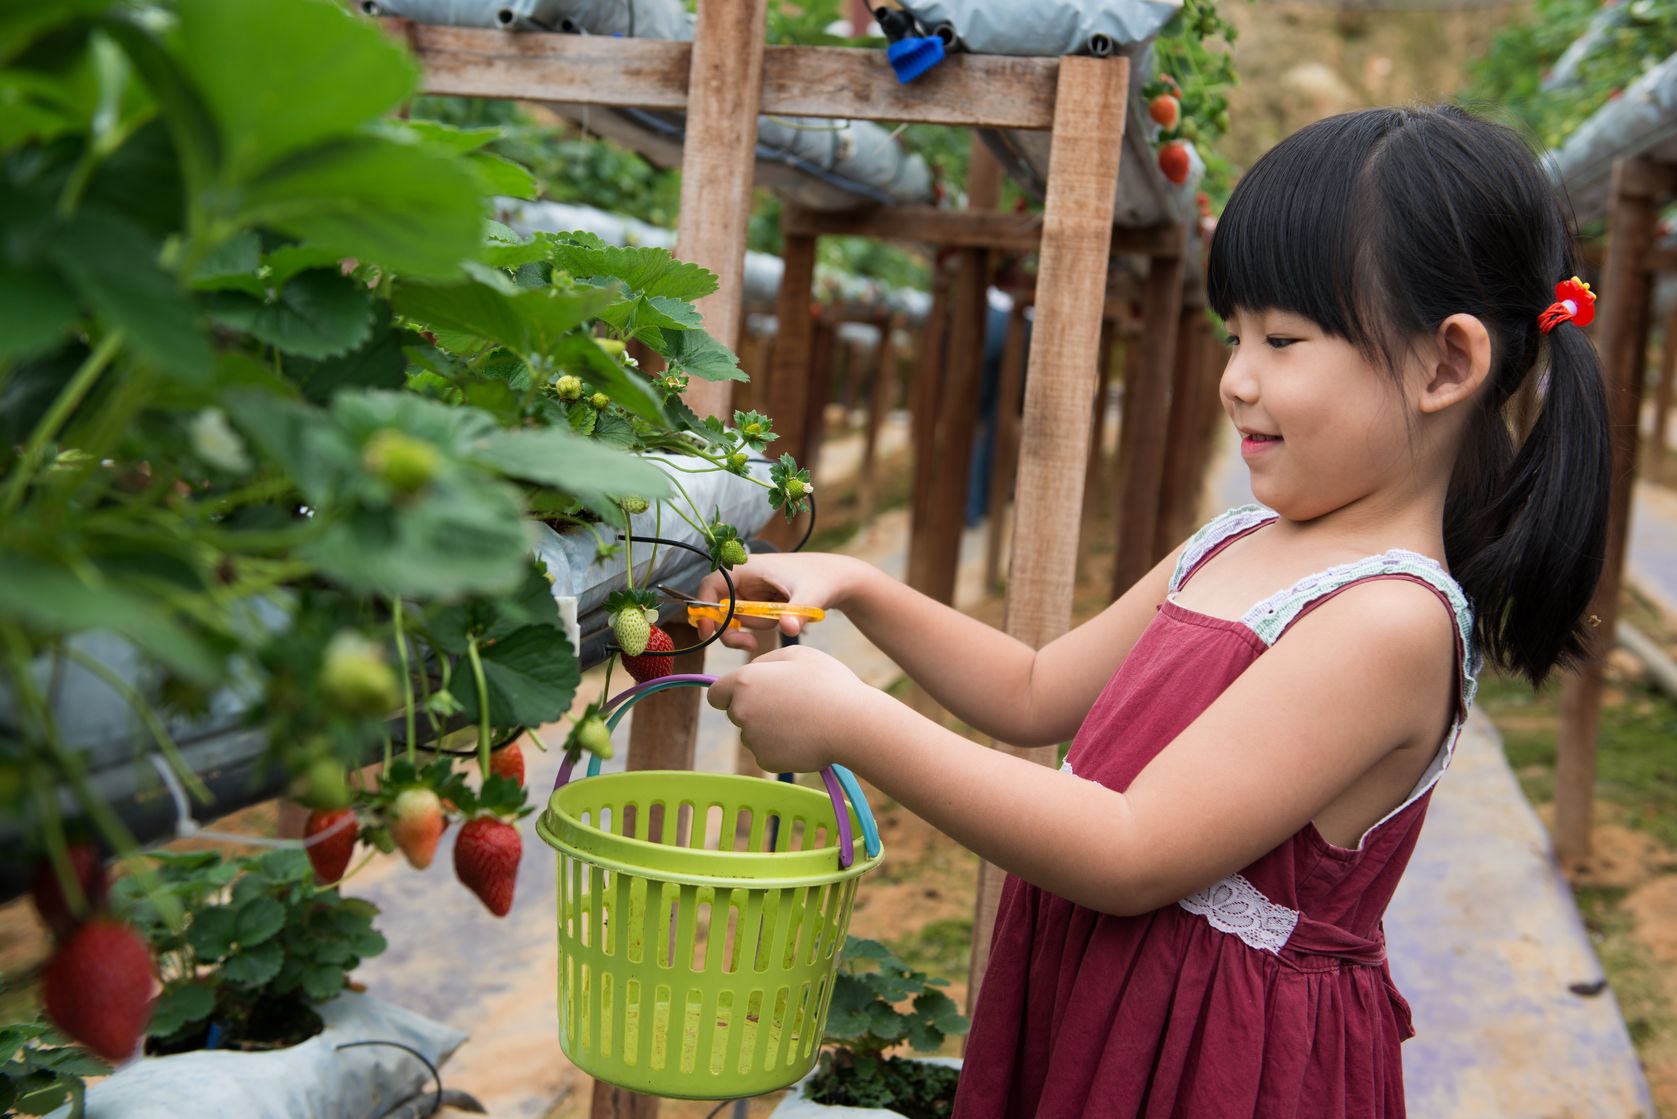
{"points": [[700, 922]]}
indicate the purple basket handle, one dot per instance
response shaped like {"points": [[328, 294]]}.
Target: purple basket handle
{"points": [[630, 696]]}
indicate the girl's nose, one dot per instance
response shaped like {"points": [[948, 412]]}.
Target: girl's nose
{"points": [[1238, 382]]}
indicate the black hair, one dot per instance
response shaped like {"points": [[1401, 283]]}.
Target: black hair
{"points": [[1377, 226]]}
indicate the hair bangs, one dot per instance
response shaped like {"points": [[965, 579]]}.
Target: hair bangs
{"points": [[1295, 228]]}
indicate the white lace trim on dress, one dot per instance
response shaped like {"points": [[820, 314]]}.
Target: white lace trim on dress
{"points": [[1237, 907]]}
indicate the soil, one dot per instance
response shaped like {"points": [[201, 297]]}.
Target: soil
{"points": [[270, 1024]]}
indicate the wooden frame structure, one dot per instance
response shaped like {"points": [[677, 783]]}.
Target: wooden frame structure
{"points": [[1639, 188], [722, 80]]}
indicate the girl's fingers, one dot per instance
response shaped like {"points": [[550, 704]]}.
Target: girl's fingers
{"points": [[720, 694]]}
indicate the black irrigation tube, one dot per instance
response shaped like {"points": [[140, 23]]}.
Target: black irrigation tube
{"points": [[426, 1061]]}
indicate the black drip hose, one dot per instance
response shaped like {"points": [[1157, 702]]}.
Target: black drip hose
{"points": [[426, 1061]]}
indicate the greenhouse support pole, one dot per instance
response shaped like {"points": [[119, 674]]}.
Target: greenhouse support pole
{"points": [[882, 397], [788, 388], [1141, 439], [1663, 396], [935, 540], [923, 395], [1639, 188], [818, 386], [1005, 465], [1185, 459], [1076, 244], [724, 92], [1092, 481]]}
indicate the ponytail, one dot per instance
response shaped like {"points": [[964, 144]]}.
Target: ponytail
{"points": [[1526, 532]]}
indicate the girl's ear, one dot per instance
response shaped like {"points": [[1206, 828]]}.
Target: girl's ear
{"points": [[1458, 365]]}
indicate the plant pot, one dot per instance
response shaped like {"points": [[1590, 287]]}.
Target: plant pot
{"points": [[314, 1077], [795, 1106]]}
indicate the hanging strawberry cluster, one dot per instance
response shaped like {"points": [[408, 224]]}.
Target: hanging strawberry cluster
{"points": [[1186, 96]]}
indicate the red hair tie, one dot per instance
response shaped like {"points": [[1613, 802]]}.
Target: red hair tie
{"points": [[1574, 303]]}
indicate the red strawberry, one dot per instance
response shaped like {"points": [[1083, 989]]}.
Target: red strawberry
{"points": [[648, 665], [486, 859], [418, 824], [508, 761], [1165, 110], [87, 869], [330, 857], [97, 988], [1173, 161]]}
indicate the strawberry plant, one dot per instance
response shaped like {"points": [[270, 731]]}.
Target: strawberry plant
{"points": [[1187, 94], [263, 944], [278, 402], [41, 1071], [868, 1017]]}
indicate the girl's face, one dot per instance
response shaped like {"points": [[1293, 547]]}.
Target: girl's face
{"points": [[1320, 427]]}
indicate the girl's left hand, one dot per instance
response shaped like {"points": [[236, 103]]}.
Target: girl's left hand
{"points": [[793, 707]]}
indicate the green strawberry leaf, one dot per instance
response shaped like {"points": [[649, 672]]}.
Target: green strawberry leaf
{"points": [[531, 674], [317, 314]]}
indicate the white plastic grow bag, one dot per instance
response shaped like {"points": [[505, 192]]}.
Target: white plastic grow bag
{"points": [[312, 1078]]}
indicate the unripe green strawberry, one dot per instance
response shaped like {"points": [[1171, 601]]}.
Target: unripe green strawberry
{"points": [[612, 346], [737, 460], [634, 506], [592, 735], [417, 824], [355, 677], [632, 630], [795, 488], [404, 463], [323, 785], [734, 553], [600, 401], [569, 387], [753, 430]]}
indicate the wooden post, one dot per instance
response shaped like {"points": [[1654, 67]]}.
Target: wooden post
{"points": [[1179, 482], [1141, 442], [724, 90], [788, 389], [935, 543], [935, 540], [882, 397], [1005, 463], [662, 731], [1076, 240], [820, 389], [1639, 188], [1103, 390], [924, 396], [1662, 396]]}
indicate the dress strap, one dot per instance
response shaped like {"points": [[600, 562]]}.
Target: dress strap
{"points": [[1276, 614], [1216, 535]]}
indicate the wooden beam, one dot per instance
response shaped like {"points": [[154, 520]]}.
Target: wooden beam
{"points": [[1076, 241], [1003, 230], [972, 90], [1141, 442], [924, 394], [1638, 190]]}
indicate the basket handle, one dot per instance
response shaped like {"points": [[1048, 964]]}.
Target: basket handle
{"points": [[837, 779]]}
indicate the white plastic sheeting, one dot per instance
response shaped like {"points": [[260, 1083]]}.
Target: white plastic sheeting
{"points": [[819, 162], [1640, 122], [1060, 27], [313, 1077]]}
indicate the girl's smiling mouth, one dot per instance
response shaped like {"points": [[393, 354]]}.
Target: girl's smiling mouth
{"points": [[1257, 442]]}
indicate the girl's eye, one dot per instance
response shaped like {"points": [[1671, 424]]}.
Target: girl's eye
{"points": [[1231, 340], [1277, 342]]}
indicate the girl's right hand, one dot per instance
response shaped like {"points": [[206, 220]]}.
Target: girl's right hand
{"points": [[808, 579]]}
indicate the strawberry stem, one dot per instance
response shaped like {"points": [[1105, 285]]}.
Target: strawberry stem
{"points": [[407, 682], [482, 706], [159, 733]]}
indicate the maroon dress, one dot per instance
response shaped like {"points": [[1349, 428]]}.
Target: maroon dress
{"points": [[1265, 995]]}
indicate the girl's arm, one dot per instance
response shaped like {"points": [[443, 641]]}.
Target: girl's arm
{"points": [[1369, 672], [987, 679]]}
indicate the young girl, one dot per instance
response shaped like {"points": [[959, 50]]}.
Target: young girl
{"points": [[1192, 920]]}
